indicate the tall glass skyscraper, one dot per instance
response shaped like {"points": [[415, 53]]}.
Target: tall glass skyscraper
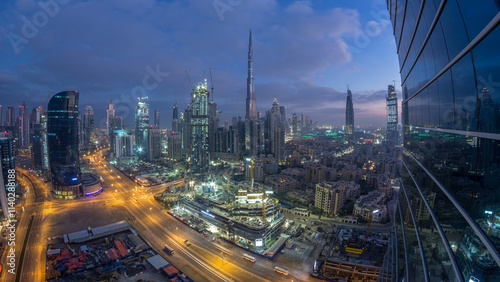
{"points": [[448, 217], [141, 126], [349, 115], [62, 138], [392, 114], [199, 128]]}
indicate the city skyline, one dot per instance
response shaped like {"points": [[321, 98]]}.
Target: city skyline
{"points": [[292, 73]]}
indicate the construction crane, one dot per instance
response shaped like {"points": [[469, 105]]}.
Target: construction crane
{"points": [[231, 173], [189, 80]]}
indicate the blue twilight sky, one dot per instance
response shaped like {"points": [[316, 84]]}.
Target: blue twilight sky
{"points": [[305, 53]]}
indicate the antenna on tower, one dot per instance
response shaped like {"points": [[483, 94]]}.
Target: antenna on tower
{"points": [[212, 82], [348, 86], [189, 80]]}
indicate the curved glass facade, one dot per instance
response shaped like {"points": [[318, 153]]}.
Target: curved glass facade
{"points": [[448, 219], [62, 138]]}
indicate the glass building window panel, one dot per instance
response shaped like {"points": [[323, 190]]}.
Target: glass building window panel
{"points": [[464, 88], [477, 15], [433, 105], [409, 26], [430, 65], [400, 13], [454, 29], [486, 58], [438, 262], [452, 160], [438, 45], [414, 256], [446, 104], [401, 248]]}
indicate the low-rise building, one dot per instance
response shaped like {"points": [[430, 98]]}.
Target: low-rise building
{"points": [[282, 183], [373, 204], [330, 197]]}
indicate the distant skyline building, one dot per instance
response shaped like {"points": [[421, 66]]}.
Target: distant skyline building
{"points": [[175, 118], [37, 138], [88, 126], [200, 115], [124, 143], [110, 113], [392, 114], [6, 164], [10, 120], [274, 132], [349, 115], [251, 103], [294, 123], [62, 132], [141, 126], [447, 221], [175, 146], [23, 125], [154, 143], [157, 118]]}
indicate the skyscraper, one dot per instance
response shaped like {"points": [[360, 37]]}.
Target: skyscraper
{"points": [[23, 125], [141, 126], [349, 115], [1, 115], [154, 143], [175, 118], [110, 113], [294, 123], [6, 165], [274, 132], [448, 54], [157, 118], [9, 117], [124, 145], [186, 132], [62, 133], [37, 138], [199, 128], [392, 114], [88, 126], [251, 104]]}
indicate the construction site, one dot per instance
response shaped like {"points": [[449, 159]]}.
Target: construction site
{"points": [[351, 255], [107, 253]]}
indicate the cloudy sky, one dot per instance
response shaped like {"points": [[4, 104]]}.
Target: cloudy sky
{"points": [[305, 54]]}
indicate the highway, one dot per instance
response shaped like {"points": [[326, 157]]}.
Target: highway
{"points": [[123, 199], [206, 262]]}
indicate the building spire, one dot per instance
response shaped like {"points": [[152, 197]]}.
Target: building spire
{"points": [[251, 108]]}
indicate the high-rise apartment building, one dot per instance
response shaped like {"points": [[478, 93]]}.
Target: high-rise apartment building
{"points": [[23, 125], [9, 117], [110, 113], [175, 118], [88, 126], [124, 144], [157, 118], [448, 54], [154, 143], [175, 146]]}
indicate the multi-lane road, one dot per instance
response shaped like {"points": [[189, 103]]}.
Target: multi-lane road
{"points": [[200, 260], [197, 258]]}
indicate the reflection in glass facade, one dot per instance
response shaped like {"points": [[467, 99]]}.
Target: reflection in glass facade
{"points": [[62, 139], [447, 222]]}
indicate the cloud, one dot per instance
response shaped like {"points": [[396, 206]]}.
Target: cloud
{"points": [[102, 49]]}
